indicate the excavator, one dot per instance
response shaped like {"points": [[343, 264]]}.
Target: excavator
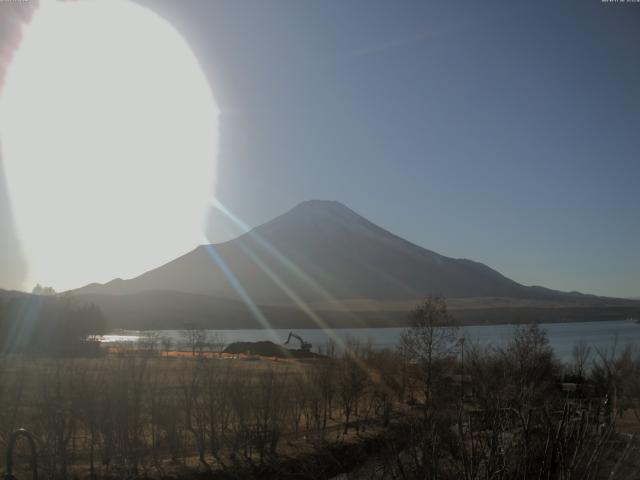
{"points": [[304, 346]]}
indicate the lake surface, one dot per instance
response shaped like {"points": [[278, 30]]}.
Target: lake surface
{"points": [[562, 336]]}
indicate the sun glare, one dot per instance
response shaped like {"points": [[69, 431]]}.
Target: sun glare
{"points": [[109, 138]]}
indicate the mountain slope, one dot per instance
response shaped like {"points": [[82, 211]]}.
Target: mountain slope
{"points": [[317, 252]]}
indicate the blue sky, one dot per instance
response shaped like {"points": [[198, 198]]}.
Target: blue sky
{"points": [[505, 132]]}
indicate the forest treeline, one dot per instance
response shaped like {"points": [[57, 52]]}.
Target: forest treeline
{"points": [[49, 324], [437, 407]]}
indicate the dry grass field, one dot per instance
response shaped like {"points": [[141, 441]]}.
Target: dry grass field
{"points": [[420, 411]]}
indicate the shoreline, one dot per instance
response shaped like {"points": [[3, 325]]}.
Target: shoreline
{"points": [[124, 331]]}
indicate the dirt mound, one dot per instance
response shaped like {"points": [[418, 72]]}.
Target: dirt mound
{"points": [[268, 349]]}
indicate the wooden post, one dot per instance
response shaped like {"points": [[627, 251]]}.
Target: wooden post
{"points": [[32, 444]]}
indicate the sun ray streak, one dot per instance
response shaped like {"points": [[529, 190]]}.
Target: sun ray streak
{"points": [[275, 253], [237, 286], [23, 324], [290, 293], [344, 346]]}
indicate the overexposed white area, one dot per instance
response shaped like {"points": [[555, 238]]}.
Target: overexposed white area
{"points": [[109, 137]]}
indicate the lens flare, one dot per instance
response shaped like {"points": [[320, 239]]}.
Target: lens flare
{"points": [[109, 138]]}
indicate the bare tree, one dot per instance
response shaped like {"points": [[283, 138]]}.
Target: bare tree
{"points": [[149, 341], [216, 342], [431, 338], [195, 339], [613, 374], [581, 354], [167, 345]]}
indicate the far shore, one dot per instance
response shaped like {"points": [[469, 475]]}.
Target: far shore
{"points": [[400, 319]]}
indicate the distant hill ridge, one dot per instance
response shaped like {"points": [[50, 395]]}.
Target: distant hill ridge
{"points": [[323, 264], [322, 250]]}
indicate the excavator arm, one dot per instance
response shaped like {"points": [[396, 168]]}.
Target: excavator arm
{"points": [[305, 346]]}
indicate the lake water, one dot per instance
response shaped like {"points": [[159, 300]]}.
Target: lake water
{"points": [[562, 336]]}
